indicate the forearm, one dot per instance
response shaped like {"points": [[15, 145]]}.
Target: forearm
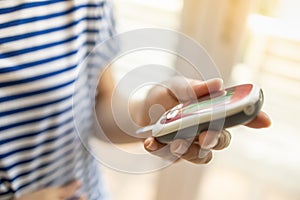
{"points": [[113, 113]]}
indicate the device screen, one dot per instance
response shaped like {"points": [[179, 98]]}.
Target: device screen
{"points": [[207, 103]]}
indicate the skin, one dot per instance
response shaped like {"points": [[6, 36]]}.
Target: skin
{"points": [[54, 193], [199, 152], [207, 140]]}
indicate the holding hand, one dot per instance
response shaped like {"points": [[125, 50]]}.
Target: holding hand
{"points": [[178, 90], [54, 193]]}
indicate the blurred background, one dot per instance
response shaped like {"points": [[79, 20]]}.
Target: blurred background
{"points": [[254, 41]]}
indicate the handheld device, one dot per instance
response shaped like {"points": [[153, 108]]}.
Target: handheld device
{"points": [[233, 106]]}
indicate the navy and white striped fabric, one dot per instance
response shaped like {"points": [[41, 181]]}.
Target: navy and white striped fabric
{"points": [[42, 44]]}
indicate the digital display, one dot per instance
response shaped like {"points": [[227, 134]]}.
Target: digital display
{"points": [[207, 103], [201, 105]]}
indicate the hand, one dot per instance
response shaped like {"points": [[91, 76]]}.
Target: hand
{"points": [[197, 151], [54, 193]]}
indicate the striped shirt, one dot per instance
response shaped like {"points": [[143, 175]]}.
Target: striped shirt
{"points": [[42, 44]]}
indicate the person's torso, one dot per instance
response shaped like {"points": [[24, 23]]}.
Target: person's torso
{"points": [[41, 45]]}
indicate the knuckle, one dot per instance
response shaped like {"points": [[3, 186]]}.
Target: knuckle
{"points": [[204, 160], [224, 141], [208, 158]]}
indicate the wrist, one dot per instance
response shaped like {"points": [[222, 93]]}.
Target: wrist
{"points": [[138, 109]]}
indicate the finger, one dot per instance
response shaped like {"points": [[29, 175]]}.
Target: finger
{"points": [[208, 139], [160, 95], [69, 190], [179, 147], [214, 140], [83, 197], [223, 141], [186, 89], [151, 144], [207, 87], [177, 90], [262, 120], [203, 159], [158, 149], [190, 152]]}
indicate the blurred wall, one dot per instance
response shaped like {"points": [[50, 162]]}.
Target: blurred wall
{"points": [[219, 26]]}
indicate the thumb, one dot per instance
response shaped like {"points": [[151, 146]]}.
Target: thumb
{"points": [[69, 190], [203, 88], [186, 89]]}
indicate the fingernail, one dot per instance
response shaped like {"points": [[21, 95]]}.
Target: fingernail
{"points": [[269, 122], [203, 153], [211, 140], [218, 80], [150, 145], [179, 147]]}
